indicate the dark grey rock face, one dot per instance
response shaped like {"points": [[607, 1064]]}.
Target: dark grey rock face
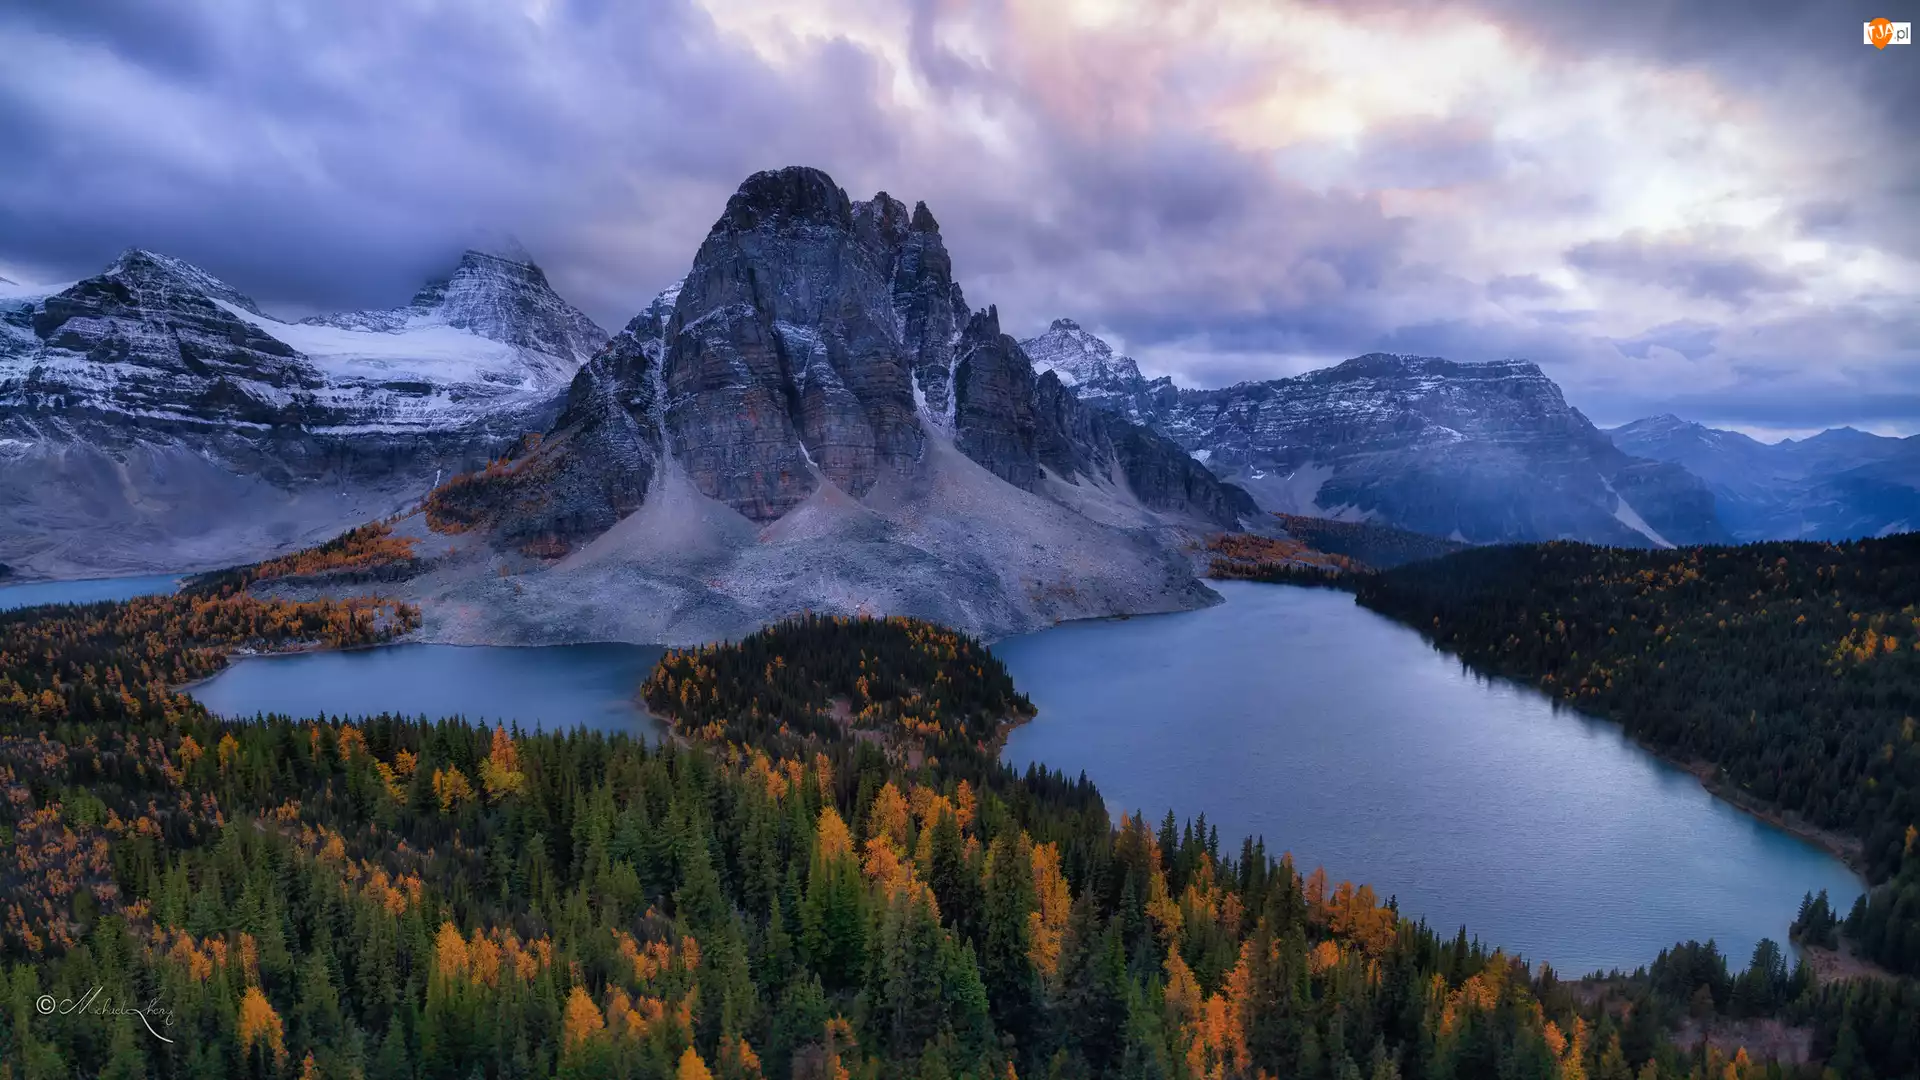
{"points": [[1165, 477], [926, 299], [1838, 485], [784, 354], [148, 340], [993, 418], [1487, 452], [597, 464], [816, 340], [1076, 439]]}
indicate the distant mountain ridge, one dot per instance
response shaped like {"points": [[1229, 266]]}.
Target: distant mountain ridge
{"points": [[1837, 485], [153, 417], [1483, 452]]}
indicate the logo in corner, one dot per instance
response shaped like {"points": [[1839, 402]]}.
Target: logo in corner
{"points": [[1881, 33]]}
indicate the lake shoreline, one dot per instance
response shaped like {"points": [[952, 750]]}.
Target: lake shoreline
{"points": [[1849, 850]]}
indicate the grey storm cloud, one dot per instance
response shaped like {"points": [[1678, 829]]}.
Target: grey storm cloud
{"points": [[1701, 273], [1690, 338], [333, 155]]}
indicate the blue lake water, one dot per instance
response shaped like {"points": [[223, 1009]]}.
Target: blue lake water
{"points": [[1288, 713], [1343, 737], [85, 592], [556, 687]]}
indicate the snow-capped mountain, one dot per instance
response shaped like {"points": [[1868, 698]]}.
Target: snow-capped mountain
{"points": [[1837, 485], [499, 298], [1079, 358], [1481, 452], [164, 407]]}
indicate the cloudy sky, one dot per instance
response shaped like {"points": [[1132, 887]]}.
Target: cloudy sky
{"points": [[1707, 207]]}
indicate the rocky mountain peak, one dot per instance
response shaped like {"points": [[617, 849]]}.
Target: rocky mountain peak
{"points": [[791, 354], [884, 216], [497, 296], [158, 275], [511, 302], [1083, 360], [152, 337], [796, 194]]}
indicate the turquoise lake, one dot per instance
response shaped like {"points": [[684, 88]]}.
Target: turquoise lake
{"points": [[1288, 713], [85, 592], [1343, 737]]}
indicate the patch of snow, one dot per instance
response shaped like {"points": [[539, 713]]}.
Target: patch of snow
{"points": [[670, 295], [1202, 455], [431, 353], [812, 465], [1628, 516]]}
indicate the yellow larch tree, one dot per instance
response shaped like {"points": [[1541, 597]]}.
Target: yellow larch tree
{"points": [[500, 774], [831, 838], [691, 1067], [582, 1021], [888, 816], [259, 1026], [452, 788], [1047, 925]]}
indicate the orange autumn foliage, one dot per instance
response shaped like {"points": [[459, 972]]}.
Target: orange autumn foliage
{"points": [[1047, 926], [831, 838], [452, 788], [691, 1067], [889, 815], [581, 1022], [500, 774], [259, 1026]]}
